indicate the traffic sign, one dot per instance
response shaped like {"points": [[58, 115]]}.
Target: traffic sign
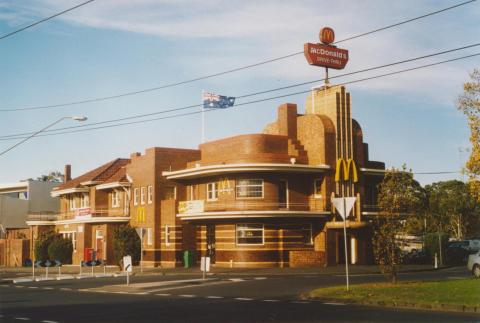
{"points": [[344, 205], [48, 263], [58, 263], [127, 264]]}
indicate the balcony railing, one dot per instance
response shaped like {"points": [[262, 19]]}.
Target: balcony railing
{"points": [[251, 205], [76, 214]]}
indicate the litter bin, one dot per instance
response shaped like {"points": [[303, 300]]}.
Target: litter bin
{"points": [[187, 263]]}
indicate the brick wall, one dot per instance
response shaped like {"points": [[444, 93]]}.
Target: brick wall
{"points": [[307, 259]]}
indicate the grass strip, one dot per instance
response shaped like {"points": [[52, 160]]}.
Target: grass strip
{"points": [[452, 292]]}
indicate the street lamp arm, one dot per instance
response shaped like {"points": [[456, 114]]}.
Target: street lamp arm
{"points": [[39, 131]]}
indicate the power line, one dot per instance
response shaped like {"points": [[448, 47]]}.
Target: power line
{"points": [[169, 85], [45, 19], [250, 102], [255, 93], [436, 173]]}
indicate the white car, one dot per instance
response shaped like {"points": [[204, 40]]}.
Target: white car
{"points": [[474, 264]]}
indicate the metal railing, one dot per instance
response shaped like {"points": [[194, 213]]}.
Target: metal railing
{"points": [[52, 216]]}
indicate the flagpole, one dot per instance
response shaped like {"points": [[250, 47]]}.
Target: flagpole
{"points": [[203, 119]]}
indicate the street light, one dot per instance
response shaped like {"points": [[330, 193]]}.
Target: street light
{"points": [[77, 118]]}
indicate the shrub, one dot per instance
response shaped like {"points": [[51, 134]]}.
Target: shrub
{"points": [[60, 249], [432, 245], [41, 245], [126, 242]]}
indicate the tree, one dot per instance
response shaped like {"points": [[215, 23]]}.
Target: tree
{"points": [[469, 104], [451, 208], [400, 199], [61, 249], [54, 176], [42, 244], [126, 242]]}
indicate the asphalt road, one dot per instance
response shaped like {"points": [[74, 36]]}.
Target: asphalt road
{"points": [[223, 298]]}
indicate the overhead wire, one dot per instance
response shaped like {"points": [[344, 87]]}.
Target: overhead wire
{"points": [[45, 19], [251, 102], [253, 94], [169, 85]]}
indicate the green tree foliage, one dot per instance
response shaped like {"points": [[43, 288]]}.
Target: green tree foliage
{"points": [[451, 209], [400, 198], [126, 242], [61, 249], [469, 104], [54, 176], [41, 245]]}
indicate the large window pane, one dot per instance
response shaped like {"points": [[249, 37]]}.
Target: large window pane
{"points": [[249, 233], [249, 188]]}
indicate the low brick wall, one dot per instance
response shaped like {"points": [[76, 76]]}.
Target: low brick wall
{"points": [[306, 258]]}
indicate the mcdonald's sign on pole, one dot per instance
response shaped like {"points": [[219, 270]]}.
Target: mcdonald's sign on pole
{"points": [[325, 54], [345, 167]]}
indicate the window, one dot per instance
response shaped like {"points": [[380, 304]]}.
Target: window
{"points": [[212, 191], [72, 202], [115, 199], [149, 236], [135, 196], [72, 236], [170, 193], [84, 200], [249, 234], [307, 234], [249, 188], [150, 194], [317, 188], [167, 235], [142, 195], [191, 192]]}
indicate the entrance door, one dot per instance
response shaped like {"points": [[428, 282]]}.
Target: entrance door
{"points": [[99, 244], [283, 194], [211, 242]]}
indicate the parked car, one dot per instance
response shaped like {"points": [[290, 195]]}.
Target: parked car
{"points": [[471, 244], [473, 264]]}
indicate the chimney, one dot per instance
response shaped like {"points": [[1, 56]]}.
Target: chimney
{"points": [[67, 173]]}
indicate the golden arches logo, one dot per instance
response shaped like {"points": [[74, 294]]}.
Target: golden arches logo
{"points": [[141, 214], [327, 35], [345, 165], [224, 185]]}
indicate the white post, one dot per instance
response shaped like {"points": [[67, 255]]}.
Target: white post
{"points": [[33, 268], [141, 251], [59, 271], [436, 261], [46, 272], [128, 278], [92, 270], [345, 242]]}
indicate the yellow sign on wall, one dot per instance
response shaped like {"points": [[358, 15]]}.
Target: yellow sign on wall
{"points": [[345, 166], [141, 214]]}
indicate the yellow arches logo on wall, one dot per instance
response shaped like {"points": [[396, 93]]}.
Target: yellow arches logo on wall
{"points": [[141, 214], [345, 165], [224, 185]]}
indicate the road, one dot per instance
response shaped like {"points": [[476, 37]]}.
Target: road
{"points": [[222, 298]]}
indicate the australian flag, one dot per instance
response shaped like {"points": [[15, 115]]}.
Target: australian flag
{"points": [[214, 101]]}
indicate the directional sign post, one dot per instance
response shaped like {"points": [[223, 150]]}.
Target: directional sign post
{"points": [[344, 205], [204, 265], [47, 264], [127, 267], [59, 265], [141, 233]]}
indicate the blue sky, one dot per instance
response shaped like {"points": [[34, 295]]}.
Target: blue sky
{"points": [[114, 46]]}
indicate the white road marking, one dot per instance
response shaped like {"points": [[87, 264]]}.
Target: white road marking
{"points": [[215, 297], [143, 293], [260, 278], [163, 294], [20, 286], [236, 279], [270, 300], [32, 287], [331, 303], [244, 299], [49, 288], [22, 318], [47, 321], [65, 288], [187, 295], [120, 292]]}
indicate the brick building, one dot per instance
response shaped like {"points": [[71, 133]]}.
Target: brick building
{"points": [[247, 201]]}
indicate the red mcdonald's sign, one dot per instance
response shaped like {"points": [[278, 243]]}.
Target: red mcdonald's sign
{"points": [[325, 56], [327, 35]]}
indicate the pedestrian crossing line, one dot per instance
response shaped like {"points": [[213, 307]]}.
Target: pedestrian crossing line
{"points": [[214, 297], [260, 278], [142, 293], [47, 288], [65, 288], [236, 279], [163, 294], [187, 296], [119, 292], [22, 318]]}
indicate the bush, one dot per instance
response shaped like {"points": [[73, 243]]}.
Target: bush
{"points": [[41, 245], [126, 242], [432, 246], [60, 249]]}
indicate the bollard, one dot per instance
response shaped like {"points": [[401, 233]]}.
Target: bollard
{"points": [[59, 271], [92, 270], [46, 272], [436, 261]]}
